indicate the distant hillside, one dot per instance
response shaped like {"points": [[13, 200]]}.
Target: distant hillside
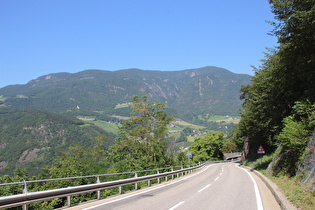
{"points": [[188, 93], [32, 139]]}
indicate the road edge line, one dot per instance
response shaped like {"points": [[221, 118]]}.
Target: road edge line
{"points": [[259, 202], [280, 197]]}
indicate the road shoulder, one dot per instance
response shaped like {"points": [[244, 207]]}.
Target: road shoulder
{"points": [[272, 196]]}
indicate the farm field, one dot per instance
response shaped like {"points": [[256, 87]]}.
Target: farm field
{"points": [[184, 124], [220, 118], [175, 127], [2, 98], [109, 127], [123, 105]]}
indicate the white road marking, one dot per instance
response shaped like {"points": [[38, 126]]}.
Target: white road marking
{"points": [[204, 188], [216, 179], [177, 205], [103, 204], [258, 198]]}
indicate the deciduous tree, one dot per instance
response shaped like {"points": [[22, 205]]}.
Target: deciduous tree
{"points": [[142, 142], [208, 147]]}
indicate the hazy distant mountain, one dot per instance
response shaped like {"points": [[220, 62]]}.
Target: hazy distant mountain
{"points": [[188, 93]]}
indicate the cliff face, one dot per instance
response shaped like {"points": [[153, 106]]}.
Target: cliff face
{"points": [[307, 170]]}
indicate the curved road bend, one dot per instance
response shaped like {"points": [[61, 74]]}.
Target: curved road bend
{"points": [[223, 186]]}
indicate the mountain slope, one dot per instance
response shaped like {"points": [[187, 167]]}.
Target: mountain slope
{"points": [[31, 139], [208, 90]]}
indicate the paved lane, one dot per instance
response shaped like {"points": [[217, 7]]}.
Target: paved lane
{"points": [[219, 186]]}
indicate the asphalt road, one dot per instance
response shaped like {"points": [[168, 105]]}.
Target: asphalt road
{"points": [[223, 186]]}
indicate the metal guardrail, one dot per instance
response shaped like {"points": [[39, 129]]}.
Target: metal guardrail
{"points": [[97, 176], [32, 197], [232, 155]]}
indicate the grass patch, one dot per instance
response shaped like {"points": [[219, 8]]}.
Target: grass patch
{"points": [[229, 120], [296, 193], [220, 118], [85, 125], [191, 138], [2, 98], [109, 127], [123, 105], [120, 117], [260, 164], [186, 124], [86, 118]]}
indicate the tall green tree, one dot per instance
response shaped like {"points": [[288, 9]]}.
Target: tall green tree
{"points": [[286, 76], [209, 147], [79, 160], [142, 142], [295, 29]]}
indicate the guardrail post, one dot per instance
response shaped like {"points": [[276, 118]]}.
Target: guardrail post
{"points": [[69, 201], [181, 167], [119, 190], [98, 192], [172, 169], [136, 184], [157, 172], [24, 187], [25, 206]]}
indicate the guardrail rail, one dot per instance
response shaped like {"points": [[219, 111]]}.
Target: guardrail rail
{"points": [[31, 197]]}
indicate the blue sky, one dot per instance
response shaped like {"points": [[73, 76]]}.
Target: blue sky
{"points": [[40, 37]]}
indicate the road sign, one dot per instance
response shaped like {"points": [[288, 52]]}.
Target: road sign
{"points": [[260, 150], [188, 154]]}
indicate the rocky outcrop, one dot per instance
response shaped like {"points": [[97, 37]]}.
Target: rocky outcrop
{"points": [[307, 170]]}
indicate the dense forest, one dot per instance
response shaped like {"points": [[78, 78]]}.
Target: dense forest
{"points": [[31, 139], [279, 104]]}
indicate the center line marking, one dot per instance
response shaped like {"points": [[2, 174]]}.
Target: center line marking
{"points": [[204, 188], [177, 205], [216, 179]]}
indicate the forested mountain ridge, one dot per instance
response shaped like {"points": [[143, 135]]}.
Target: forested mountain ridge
{"points": [[208, 90], [31, 139]]}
